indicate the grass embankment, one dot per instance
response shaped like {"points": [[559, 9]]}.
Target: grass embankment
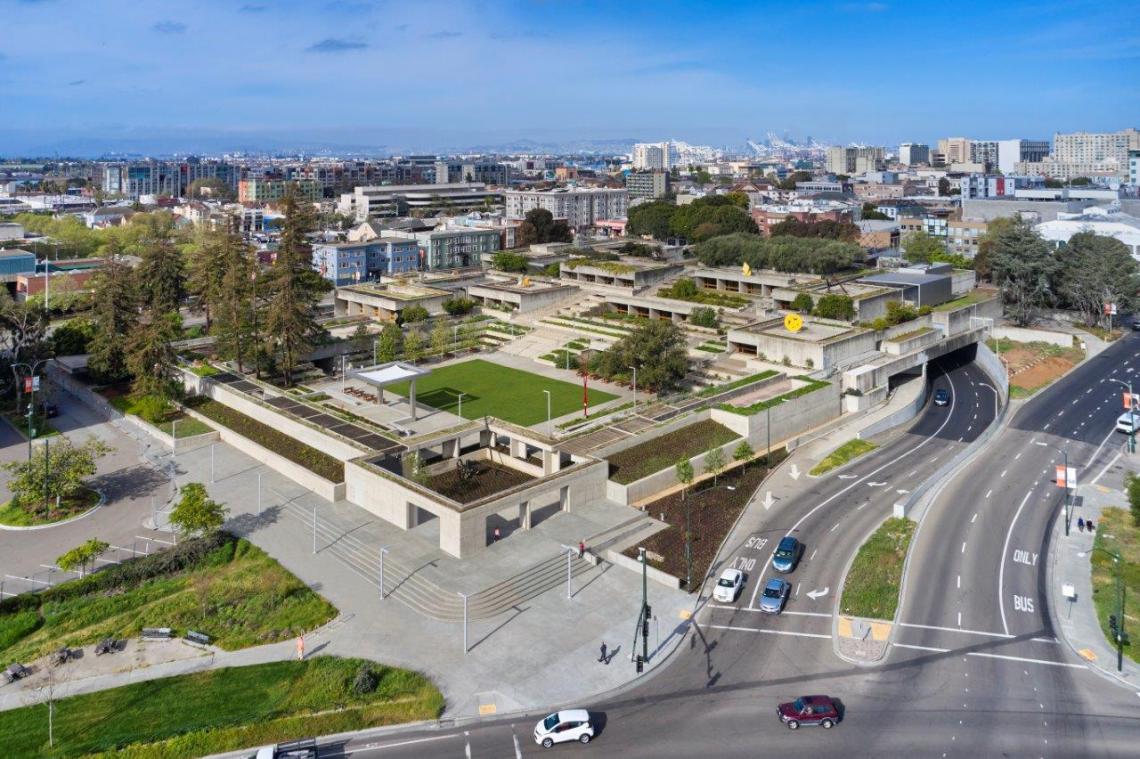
{"points": [[176, 423], [223, 710], [220, 585], [713, 510], [1034, 365], [1116, 532], [315, 461], [663, 452], [15, 515], [841, 455], [499, 391], [872, 586]]}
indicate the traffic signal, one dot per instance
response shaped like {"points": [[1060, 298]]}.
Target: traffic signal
{"points": [[640, 664], [645, 627], [1112, 624]]}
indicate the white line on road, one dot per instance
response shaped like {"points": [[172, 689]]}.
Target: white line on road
{"points": [[1003, 472], [1015, 458], [921, 648], [989, 492], [912, 473], [518, 749], [1106, 468], [959, 585], [409, 742], [813, 553], [1031, 661], [1046, 428], [833, 528], [963, 546], [959, 619], [953, 630], [769, 632], [467, 744], [1001, 565], [975, 517]]}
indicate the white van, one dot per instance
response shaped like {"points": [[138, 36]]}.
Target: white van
{"points": [[564, 726], [1124, 422]]}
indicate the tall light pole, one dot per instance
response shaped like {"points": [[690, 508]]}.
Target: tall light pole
{"points": [[383, 550], [1116, 621], [31, 397], [375, 342], [571, 552], [1131, 414], [1066, 479], [342, 372], [464, 597], [549, 427], [461, 404], [634, 388]]}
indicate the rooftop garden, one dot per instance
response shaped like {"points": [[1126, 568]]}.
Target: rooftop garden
{"points": [[969, 299], [663, 452], [610, 267], [686, 289], [811, 386], [472, 481]]}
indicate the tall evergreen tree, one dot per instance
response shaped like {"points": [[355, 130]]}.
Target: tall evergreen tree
{"points": [[161, 272], [115, 315], [150, 356], [206, 268], [233, 304], [1024, 267], [293, 289]]}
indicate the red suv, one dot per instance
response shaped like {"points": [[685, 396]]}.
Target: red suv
{"points": [[809, 710]]}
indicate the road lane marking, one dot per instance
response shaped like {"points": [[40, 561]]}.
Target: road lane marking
{"points": [[954, 630], [786, 612], [959, 585], [1001, 565], [1003, 472], [518, 749], [959, 619], [912, 473], [411, 742], [988, 493], [963, 546], [1025, 659], [921, 648], [1046, 427], [813, 554], [1015, 458], [975, 517], [769, 632]]}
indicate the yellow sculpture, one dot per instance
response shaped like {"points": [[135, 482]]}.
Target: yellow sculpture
{"points": [[746, 270], [793, 322]]}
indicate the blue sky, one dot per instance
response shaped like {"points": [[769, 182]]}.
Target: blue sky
{"points": [[165, 76]]}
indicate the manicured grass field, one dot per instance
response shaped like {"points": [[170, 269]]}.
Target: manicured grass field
{"points": [[220, 585], [872, 587], [222, 710], [500, 391], [841, 455]]}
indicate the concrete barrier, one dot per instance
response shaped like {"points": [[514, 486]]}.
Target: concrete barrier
{"points": [[664, 578], [903, 415], [654, 483], [1025, 335]]}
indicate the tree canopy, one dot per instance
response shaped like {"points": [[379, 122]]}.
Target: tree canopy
{"points": [[657, 349], [704, 218], [824, 230], [791, 254], [539, 226], [196, 513], [921, 248], [1095, 270], [1024, 268]]}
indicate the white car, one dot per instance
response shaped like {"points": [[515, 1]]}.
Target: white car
{"points": [[1124, 422], [564, 726], [728, 586]]}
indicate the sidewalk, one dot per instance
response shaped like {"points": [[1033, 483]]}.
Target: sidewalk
{"points": [[1070, 564]]}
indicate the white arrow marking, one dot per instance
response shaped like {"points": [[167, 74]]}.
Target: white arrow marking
{"points": [[847, 476], [877, 484], [768, 500], [814, 594], [795, 473], [900, 491]]}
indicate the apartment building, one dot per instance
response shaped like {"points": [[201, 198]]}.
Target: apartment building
{"points": [[348, 263], [955, 149], [848, 161], [984, 153], [1094, 148], [455, 247], [1010, 152], [272, 190], [912, 153], [579, 206], [365, 203], [647, 184]]}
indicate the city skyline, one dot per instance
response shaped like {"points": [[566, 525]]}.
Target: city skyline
{"points": [[378, 77]]}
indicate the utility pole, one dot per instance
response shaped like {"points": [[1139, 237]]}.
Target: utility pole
{"points": [[643, 616], [1116, 621], [1131, 403], [1066, 480], [383, 550]]}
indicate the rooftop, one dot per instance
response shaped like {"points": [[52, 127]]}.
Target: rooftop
{"points": [[395, 292]]}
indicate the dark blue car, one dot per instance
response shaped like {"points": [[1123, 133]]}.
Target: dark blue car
{"points": [[787, 554], [941, 397]]}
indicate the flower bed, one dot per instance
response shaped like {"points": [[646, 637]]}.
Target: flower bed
{"points": [[315, 461], [662, 452]]}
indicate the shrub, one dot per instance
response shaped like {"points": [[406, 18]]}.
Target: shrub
{"points": [[786, 361], [152, 408], [505, 261], [835, 306], [809, 364], [365, 680], [703, 317], [802, 303], [684, 288], [457, 306], [414, 314]]}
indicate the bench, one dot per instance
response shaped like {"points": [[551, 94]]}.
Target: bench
{"points": [[15, 672], [157, 633], [197, 637]]}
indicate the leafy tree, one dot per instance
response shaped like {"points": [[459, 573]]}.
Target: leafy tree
{"points": [[414, 469], [943, 187], [803, 303], [23, 328], [1080, 182], [54, 472], [457, 306], [292, 288], [684, 289], [743, 452], [714, 462], [657, 349], [115, 316], [714, 216], [209, 187], [414, 314], [822, 230], [835, 306], [391, 343], [791, 254], [160, 275], [414, 345], [72, 337], [922, 248], [651, 219], [789, 182], [360, 337], [983, 259], [210, 255], [440, 337], [1095, 270], [1024, 267], [870, 213], [506, 261], [704, 317], [151, 359], [738, 199], [196, 513], [82, 555], [539, 226], [684, 472]]}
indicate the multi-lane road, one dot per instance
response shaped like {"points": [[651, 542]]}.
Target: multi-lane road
{"points": [[974, 668]]}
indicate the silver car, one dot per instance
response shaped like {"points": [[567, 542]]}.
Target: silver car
{"points": [[775, 595]]}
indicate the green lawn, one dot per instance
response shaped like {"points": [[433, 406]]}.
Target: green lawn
{"points": [[500, 391], [223, 710], [186, 426], [221, 585], [841, 455], [1116, 532], [872, 587]]}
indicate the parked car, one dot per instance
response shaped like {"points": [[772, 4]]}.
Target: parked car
{"points": [[564, 726], [787, 554], [1125, 420], [302, 749], [49, 410], [809, 710], [775, 595], [728, 586], [941, 397]]}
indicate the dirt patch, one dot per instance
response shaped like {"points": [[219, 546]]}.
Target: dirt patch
{"points": [[1042, 373], [1032, 366], [489, 479], [136, 654]]}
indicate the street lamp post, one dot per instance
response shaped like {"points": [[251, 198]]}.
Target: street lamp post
{"points": [[375, 342], [1116, 621], [464, 597], [1066, 480], [634, 388], [31, 398], [1131, 413], [549, 428], [461, 404], [383, 550]]}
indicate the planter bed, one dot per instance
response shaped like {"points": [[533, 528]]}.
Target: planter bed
{"points": [[665, 451], [756, 408], [15, 515], [718, 389], [872, 585], [490, 479], [122, 401], [278, 442]]}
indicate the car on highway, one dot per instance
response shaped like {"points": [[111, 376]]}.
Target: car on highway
{"points": [[787, 554], [728, 586], [564, 726], [1124, 422], [775, 595], [941, 397], [809, 710]]}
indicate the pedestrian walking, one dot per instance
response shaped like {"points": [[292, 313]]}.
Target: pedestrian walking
{"points": [[1091, 526], [1081, 524], [602, 658], [581, 548], [498, 534], [300, 648]]}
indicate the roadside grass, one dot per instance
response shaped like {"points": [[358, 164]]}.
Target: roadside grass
{"points": [[872, 586], [315, 461], [20, 422], [222, 710], [1116, 532], [665, 451], [220, 585], [16, 515], [1107, 335], [1034, 365], [489, 389], [841, 455]]}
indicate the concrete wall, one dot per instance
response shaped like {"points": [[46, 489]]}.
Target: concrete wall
{"points": [[789, 419], [918, 389], [896, 347], [658, 481], [962, 281], [330, 491], [1023, 335], [992, 366], [874, 306], [664, 578], [958, 320], [628, 442]]}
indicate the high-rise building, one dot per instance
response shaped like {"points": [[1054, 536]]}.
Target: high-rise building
{"points": [[1134, 168], [956, 149], [912, 153], [848, 161], [647, 184], [1087, 147], [649, 156], [1012, 151], [985, 153], [271, 190]]}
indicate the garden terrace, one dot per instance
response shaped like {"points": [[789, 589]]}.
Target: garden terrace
{"points": [[820, 344], [487, 479], [656, 454], [616, 274], [651, 307], [388, 301], [523, 295]]}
